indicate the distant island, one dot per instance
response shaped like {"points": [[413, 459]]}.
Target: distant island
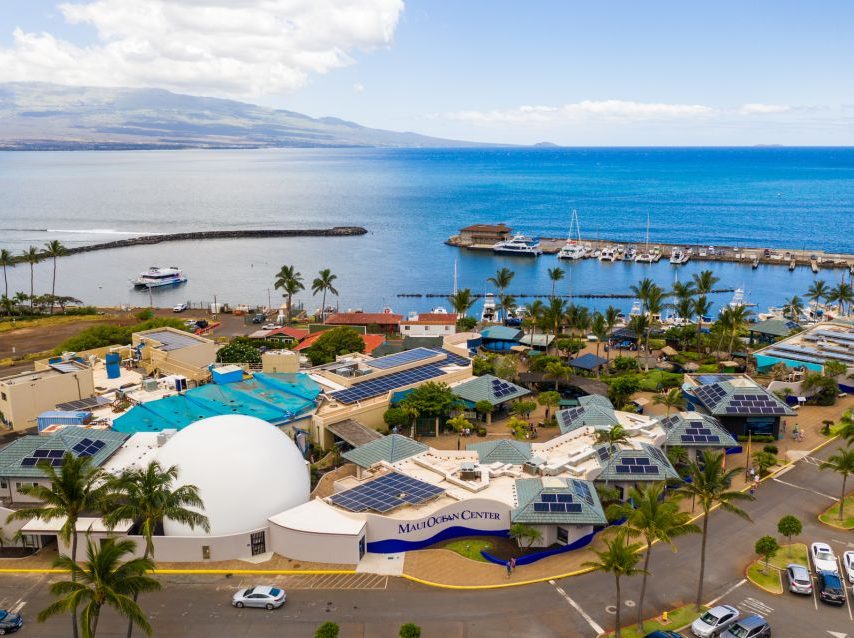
{"points": [[41, 116], [546, 145]]}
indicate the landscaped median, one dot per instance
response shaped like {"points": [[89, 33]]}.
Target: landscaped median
{"points": [[676, 620], [831, 514], [770, 578]]}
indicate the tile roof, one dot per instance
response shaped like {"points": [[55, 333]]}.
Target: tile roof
{"points": [[502, 333], [391, 448], [539, 340], [597, 413], [692, 429], [540, 501], [288, 331], [371, 342], [659, 468], [489, 388], [739, 396], [588, 361], [502, 450], [432, 318], [64, 441], [363, 319], [354, 432], [775, 327]]}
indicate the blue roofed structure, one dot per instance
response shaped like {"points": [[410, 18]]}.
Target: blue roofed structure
{"points": [[593, 411], [500, 338], [589, 362]]}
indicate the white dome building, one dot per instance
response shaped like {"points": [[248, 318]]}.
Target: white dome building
{"points": [[246, 471]]}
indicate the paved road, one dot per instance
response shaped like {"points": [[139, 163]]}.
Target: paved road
{"points": [[369, 606]]}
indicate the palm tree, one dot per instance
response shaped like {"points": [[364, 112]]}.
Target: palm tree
{"points": [[32, 257], [671, 399], [556, 274], [533, 315], [711, 485], [612, 317], [54, 249], [507, 303], [846, 427], [6, 261], [641, 290], [793, 308], [704, 282], [639, 324], [557, 371], [553, 314], [613, 436], [733, 320], [462, 301], [655, 304], [621, 559], [817, 291], [702, 308], [843, 463], [650, 515], [599, 327], [77, 488], [577, 318], [290, 281], [842, 294], [502, 280], [106, 578], [324, 283], [682, 290], [146, 497]]}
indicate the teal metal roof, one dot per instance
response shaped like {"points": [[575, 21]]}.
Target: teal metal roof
{"points": [[64, 440], [654, 458], [391, 448], [595, 399], [501, 333], [678, 425], [775, 327], [730, 396], [598, 414], [489, 388], [503, 451], [532, 495]]}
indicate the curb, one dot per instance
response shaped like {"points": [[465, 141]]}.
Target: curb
{"points": [[763, 588], [534, 581], [197, 572]]}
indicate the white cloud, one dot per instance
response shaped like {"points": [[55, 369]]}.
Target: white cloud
{"points": [[763, 109], [243, 49], [358, 87]]}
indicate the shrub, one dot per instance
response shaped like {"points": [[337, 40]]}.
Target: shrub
{"points": [[410, 630], [239, 351], [482, 365], [756, 438], [624, 364], [764, 461], [334, 342], [145, 315], [327, 630], [771, 449], [466, 324], [396, 417], [111, 335]]}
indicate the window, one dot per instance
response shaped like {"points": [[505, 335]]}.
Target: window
{"points": [[406, 328], [19, 484], [3, 484], [3, 396], [562, 535], [206, 552]]}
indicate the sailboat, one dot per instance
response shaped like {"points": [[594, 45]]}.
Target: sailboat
{"points": [[573, 249], [646, 257]]}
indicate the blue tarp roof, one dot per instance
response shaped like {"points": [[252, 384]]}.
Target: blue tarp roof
{"points": [[588, 361]]}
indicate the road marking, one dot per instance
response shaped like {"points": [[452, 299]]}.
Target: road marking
{"points": [[593, 625], [757, 606], [18, 606], [805, 489], [712, 603], [842, 579], [837, 634]]}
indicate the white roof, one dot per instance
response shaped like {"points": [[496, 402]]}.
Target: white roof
{"points": [[84, 524], [318, 518], [137, 451]]}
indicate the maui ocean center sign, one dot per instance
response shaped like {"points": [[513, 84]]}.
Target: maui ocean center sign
{"points": [[465, 517]]}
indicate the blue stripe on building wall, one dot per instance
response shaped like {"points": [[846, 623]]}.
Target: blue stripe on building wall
{"points": [[394, 545]]}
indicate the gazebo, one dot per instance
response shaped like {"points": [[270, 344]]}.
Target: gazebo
{"points": [[588, 362]]}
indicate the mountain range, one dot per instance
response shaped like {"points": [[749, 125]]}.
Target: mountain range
{"points": [[40, 116]]}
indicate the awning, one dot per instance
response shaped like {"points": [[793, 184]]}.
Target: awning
{"points": [[353, 432]]}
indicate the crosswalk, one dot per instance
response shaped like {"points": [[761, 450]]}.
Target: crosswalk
{"points": [[754, 606], [320, 581]]}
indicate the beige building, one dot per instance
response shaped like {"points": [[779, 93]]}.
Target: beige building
{"points": [[165, 351], [24, 396]]}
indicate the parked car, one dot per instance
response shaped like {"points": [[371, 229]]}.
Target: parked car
{"points": [[259, 318], [662, 633], [9, 622], [751, 627], [830, 588], [848, 564], [800, 581], [714, 621], [265, 596], [181, 307], [823, 558]]}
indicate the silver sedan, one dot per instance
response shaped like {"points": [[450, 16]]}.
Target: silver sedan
{"points": [[265, 596]]}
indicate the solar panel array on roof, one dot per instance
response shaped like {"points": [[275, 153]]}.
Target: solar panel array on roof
{"points": [[51, 457], [171, 340], [582, 490], [401, 358], [699, 435], [636, 465], [604, 453], [552, 502], [384, 384], [802, 351], [87, 447], [385, 493], [82, 404], [710, 394], [835, 335], [501, 388], [754, 404]]}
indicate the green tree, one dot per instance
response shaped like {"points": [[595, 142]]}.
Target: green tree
{"points": [[613, 436], [289, 281], [323, 283], [639, 324], [334, 342], [766, 547], [502, 280], [558, 372], [505, 367], [556, 274], [459, 423], [843, 463], [621, 389], [553, 315], [649, 515], [821, 389], [842, 294], [483, 364], [710, 485], [462, 301], [642, 289], [793, 308], [569, 345], [845, 429], [484, 408], [704, 282], [789, 526], [523, 408], [702, 308], [732, 321], [410, 630], [396, 417], [507, 304], [683, 290], [432, 399], [549, 400], [239, 350], [32, 256], [834, 368], [541, 362], [54, 249], [620, 559], [77, 488], [525, 535], [763, 461], [109, 577], [327, 630], [599, 327], [612, 318], [673, 398], [466, 324], [817, 291], [6, 261]]}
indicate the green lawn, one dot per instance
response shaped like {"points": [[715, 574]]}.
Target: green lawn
{"points": [[788, 554], [676, 618], [831, 516], [470, 548], [770, 581]]}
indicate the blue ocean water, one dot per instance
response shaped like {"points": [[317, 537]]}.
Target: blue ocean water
{"points": [[411, 200]]}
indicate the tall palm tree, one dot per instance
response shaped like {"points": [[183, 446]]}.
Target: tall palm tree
{"points": [[553, 315], [684, 307], [704, 282], [32, 256], [639, 324], [324, 283], [54, 249], [671, 399], [507, 303], [655, 305], [462, 301], [108, 577], [533, 315], [289, 280], [641, 290], [817, 291], [557, 371], [502, 280], [702, 308], [843, 463], [846, 427], [77, 488], [556, 274], [793, 308], [733, 320], [621, 559], [650, 515], [683, 290], [711, 485], [599, 327], [612, 318], [146, 496], [842, 294], [577, 318], [6, 260]]}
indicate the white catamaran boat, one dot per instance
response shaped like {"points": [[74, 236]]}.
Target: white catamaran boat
{"points": [[647, 257], [488, 315], [156, 277], [679, 257], [518, 245], [608, 253], [573, 248]]}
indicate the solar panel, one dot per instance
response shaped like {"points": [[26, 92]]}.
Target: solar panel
{"points": [[629, 461], [386, 493], [82, 404], [713, 439], [573, 508], [29, 461], [623, 469], [541, 507], [557, 507], [98, 444], [387, 383], [583, 491], [641, 461], [401, 358], [548, 498], [56, 462], [564, 498], [41, 453], [651, 469], [603, 453], [56, 454]]}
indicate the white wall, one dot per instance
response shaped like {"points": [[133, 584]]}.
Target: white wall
{"points": [[549, 532], [319, 548]]}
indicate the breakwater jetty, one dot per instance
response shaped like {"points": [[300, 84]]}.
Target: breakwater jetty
{"points": [[591, 295], [145, 240]]}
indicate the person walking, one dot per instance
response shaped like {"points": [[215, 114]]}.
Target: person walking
{"points": [[512, 563], [509, 568]]}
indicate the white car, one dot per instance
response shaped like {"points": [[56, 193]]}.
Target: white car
{"points": [[848, 563], [264, 596], [823, 558], [715, 621], [181, 307]]}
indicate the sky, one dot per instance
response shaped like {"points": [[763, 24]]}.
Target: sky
{"points": [[570, 72]]}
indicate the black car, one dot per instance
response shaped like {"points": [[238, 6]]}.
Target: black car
{"points": [[9, 622], [830, 588]]}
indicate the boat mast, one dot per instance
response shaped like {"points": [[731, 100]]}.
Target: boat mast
{"points": [[455, 275], [647, 232]]}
